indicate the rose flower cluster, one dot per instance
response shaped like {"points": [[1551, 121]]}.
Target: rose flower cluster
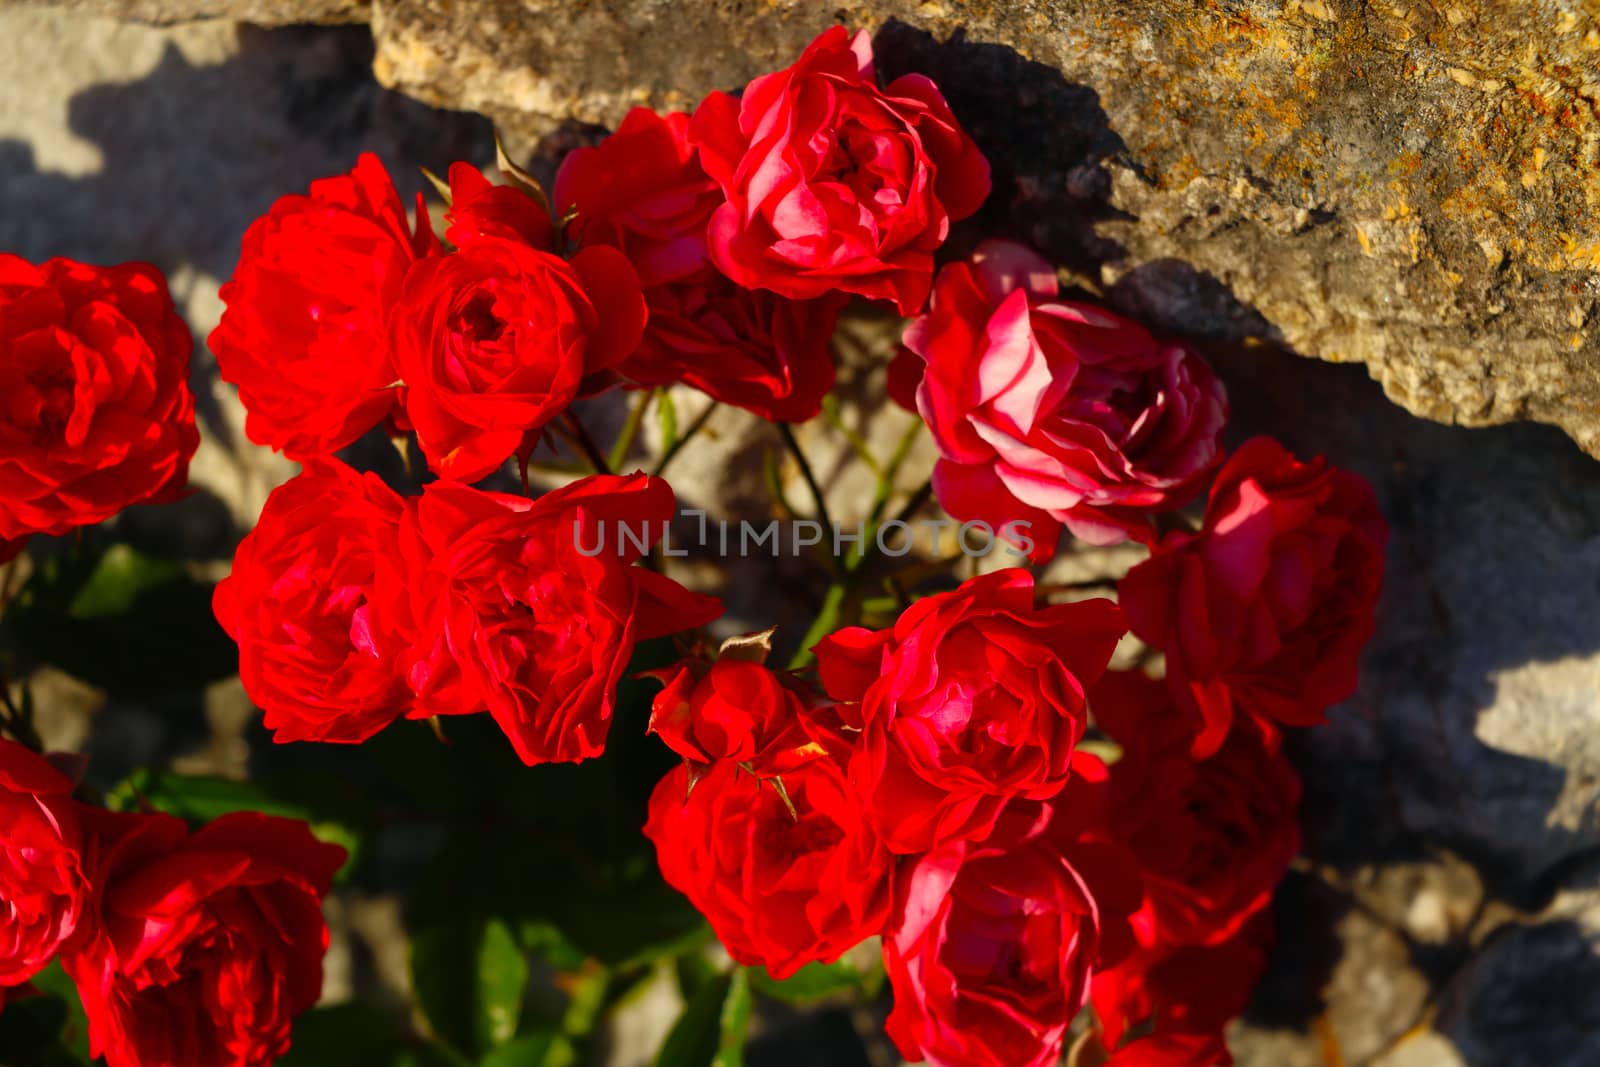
{"points": [[925, 783]]}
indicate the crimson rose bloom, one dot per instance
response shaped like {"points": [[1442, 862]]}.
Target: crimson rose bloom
{"points": [[42, 887], [780, 890], [1213, 836], [493, 341], [316, 654], [479, 208], [1057, 412], [975, 697], [1264, 612], [204, 946], [95, 408], [641, 191], [531, 608], [303, 336], [1182, 998], [734, 710], [833, 184], [991, 945]]}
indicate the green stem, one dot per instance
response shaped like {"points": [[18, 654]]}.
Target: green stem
{"points": [[830, 410], [828, 620], [677, 446], [787, 433], [630, 430]]}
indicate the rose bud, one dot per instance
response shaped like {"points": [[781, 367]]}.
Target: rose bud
{"points": [[1264, 612], [833, 184], [973, 698], [1055, 412], [95, 408], [735, 709], [479, 208], [303, 336], [783, 881]]}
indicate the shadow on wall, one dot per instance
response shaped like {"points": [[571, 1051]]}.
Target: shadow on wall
{"points": [[1473, 733]]}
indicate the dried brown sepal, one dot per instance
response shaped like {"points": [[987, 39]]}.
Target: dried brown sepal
{"points": [[751, 648], [516, 176], [440, 186]]}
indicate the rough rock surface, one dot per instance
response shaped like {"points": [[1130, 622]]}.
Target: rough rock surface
{"points": [[1413, 185]]}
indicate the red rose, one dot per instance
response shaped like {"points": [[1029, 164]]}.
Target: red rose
{"points": [[479, 208], [205, 946], [531, 608], [833, 184], [780, 890], [1056, 412], [1264, 612], [1213, 836], [42, 885], [975, 697], [991, 945], [641, 191], [95, 408], [493, 340], [303, 335], [11, 549], [734, 710], [1181, 998], [316, 654]]}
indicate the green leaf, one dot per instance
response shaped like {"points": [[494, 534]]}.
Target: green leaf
{"points": [[736, 1007], [470, 975], [696, 1038], [544, 1048], [131, 624], [47, 1030], [813, 982], [336, 812], [117, 581]]}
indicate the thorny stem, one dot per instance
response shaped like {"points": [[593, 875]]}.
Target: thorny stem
{"points": [[15, 722], [787, 433], [579, 436]]}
